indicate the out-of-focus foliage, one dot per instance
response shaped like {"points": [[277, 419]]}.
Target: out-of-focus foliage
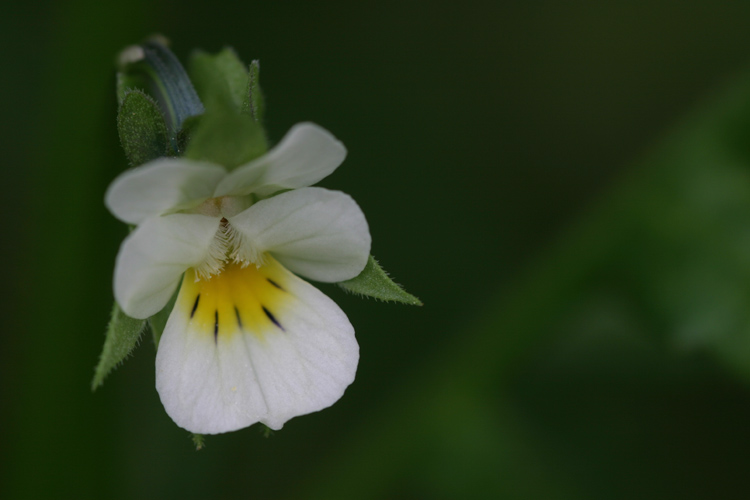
{"points": [[616, 318]]}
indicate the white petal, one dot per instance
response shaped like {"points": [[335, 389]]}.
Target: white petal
{"points": [[160, 186], [154, 256], [317, 233], [305, 155], [252, 345]]}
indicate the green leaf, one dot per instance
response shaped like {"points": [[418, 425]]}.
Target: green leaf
{"points": [[226, 137], [373, 281], [255, 103], [221, 79], [122, 336], [158, 321], [142, 129], [199, 440]]}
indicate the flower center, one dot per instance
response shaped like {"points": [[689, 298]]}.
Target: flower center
{"points": [[240, 299], [228, 245]]}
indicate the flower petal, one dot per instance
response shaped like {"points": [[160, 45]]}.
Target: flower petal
{"points": [[317, 233], [252, 345], [305, 155], [154, 256], [160, 186]]}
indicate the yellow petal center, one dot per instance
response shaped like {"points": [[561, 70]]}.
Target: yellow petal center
{"points": [[239, 299]]}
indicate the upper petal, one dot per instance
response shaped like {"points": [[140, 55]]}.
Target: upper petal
{"points": [[305, 155], [252, 345], [154, 256], [317, 233], [160, 186]]}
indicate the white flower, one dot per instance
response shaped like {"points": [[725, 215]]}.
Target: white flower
{"points": [[247, 340]]}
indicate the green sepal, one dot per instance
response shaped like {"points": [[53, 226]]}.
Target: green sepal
{"points": [[153, 68], [374, 282], [142, 128], [158, 321], [225, 137], [199, 440], [130, 72], [126, 83], [220, 79], [255, 104], [228, 133], [122, 336], [265, 431]]}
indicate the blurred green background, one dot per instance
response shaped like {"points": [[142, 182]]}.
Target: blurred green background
{"points": [[566, 185]]}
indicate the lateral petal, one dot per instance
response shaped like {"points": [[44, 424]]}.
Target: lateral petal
{"points": [[154, 256], [161, 186], [320, 234], [252, 345], [305, 155]]}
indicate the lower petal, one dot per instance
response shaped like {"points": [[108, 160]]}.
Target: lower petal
{"points": [[252, 345]]}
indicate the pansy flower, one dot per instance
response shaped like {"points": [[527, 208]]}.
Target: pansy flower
{"points": [[248, 340]]}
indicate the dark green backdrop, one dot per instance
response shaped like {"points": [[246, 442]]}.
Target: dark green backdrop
{"points": [[531, 170]]}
